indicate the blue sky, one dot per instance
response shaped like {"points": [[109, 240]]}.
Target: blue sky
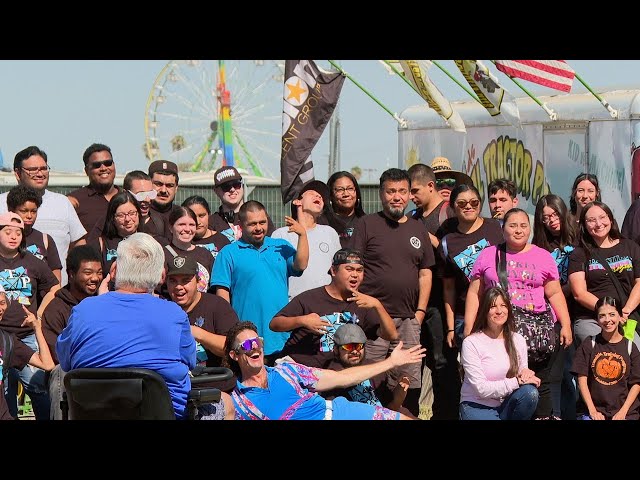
{"points": [[64, 106]]}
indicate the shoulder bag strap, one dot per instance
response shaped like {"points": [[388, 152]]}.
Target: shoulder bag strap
{"points": [[445, 247], [616, 283], [171, 250], [501, 265]]}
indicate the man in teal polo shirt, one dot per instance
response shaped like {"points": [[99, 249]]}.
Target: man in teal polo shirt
{"points": [[253, 273]]}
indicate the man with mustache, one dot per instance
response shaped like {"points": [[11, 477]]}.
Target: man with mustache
{"points": [[398, 256], [164, 178]]}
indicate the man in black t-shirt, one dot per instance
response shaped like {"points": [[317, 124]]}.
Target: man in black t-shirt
{"points": [[398, 258], [313, 316]]}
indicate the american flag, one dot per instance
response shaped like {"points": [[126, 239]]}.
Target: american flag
{"points": [[556, 74]]}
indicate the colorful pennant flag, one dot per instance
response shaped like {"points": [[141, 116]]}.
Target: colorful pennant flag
{"points": [[416, 72], [556, 74], [310, 96], [492, 96]]}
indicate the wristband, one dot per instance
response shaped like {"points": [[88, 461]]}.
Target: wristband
{"points": [[421, 310]]}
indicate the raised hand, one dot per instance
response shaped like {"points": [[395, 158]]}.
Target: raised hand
{"points": [[294, 226]]}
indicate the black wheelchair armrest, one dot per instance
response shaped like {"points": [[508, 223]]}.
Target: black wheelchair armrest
{"points": [[202, 375], [205, 395]]}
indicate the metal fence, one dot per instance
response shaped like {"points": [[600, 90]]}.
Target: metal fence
{"points": [[268, 195]]}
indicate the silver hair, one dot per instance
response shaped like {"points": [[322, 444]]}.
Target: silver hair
{"points": [[140, 262]]}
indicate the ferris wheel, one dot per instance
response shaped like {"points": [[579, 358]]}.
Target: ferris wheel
{"points": [[202, 114]]}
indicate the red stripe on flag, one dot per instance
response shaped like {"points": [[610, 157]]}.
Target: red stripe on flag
{"points": [[541, 65], [541, 79]]}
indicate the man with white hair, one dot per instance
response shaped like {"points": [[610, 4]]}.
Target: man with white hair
{"points": [[130, 327]]}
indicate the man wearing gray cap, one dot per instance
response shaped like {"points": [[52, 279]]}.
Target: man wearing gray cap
{"points": [[229, 187]]}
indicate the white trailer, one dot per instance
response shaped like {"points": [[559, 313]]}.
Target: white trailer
{"points": [[543, 156]]}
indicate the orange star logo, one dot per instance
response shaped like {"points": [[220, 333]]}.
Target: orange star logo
{"points": [[295, 91]]}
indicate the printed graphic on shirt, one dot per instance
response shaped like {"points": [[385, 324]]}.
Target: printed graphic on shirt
{"points": [[466, 258], [233, 233], [364, 393], [112, 253], [561, 258], [203, 278], [617, 263], [522, 278], [415, 242], [17, 284], [608, 367], [210, 247], [201, 354], [335, 319], [36, 251]]}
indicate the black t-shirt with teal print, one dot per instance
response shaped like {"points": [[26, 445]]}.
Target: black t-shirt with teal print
{"points": [[462, 250], [50, 255], [610, 373], [20, 357], [212, 244], [218, 223], [393, 254], [108, 251], [23, 278], [215, 315], [316, 350], [624, 261], [561, 257]]}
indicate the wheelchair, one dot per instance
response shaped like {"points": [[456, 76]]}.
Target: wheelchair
{"points": [[133, 393]]}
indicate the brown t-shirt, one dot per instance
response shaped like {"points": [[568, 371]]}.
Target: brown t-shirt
{"points": [[56, 316], [315, 350], [215, 315], [23, 278], [92, 207], [393, 255], [49, 255], [623, 259], [462, 251], [20, 356]]}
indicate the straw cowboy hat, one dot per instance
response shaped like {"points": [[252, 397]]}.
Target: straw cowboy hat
{"points": [[442, 168]]}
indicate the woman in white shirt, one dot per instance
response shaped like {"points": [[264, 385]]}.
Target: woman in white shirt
{"points": [[497, 385]]}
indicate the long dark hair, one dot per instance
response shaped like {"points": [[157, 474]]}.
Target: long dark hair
{"points": [[542, 237], [612, 302], [490, 297], [358, 210], [586, 240], [573, 205], [109, 229]]}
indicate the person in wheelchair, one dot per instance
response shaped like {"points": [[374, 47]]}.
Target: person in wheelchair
{"points": [[130, 327]]}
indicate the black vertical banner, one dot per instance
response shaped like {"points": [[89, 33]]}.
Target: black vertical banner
{"points": [[309, 98]]}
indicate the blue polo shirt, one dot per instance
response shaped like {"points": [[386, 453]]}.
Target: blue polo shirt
{"points": [[258, 281]]}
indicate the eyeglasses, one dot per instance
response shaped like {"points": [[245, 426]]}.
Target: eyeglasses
{"points": [[226, 187], [122, 215], [97, 165], [547, 219], [142, 196], [248, 344], [445, 182], [592, 221], [352, 347], [463, 203], [33, 171], [339, 190]]}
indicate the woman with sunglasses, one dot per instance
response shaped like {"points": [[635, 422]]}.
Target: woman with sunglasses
{"points": [[122, 219], [601, 241], [532, 283], [182, 222], [585, 190], [345, 200], [554, 231], [498, 384], [289, 391], [459, 249], [205, 237]]}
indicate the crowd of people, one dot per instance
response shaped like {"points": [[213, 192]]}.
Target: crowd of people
{"points": [[339, 314]]}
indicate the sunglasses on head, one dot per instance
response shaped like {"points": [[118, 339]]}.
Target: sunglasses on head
{"points": [[226, 187], [249, 344], [142, 196], [445, 182], [352, 347], [463, 203], [96, 165]]}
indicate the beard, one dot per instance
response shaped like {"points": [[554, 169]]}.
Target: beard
{"points": [[395, 213]]}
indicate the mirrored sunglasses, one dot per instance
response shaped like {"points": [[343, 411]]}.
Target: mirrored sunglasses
{"points": [[250, 344], [142, 196], [445, 182], [352, 347]]}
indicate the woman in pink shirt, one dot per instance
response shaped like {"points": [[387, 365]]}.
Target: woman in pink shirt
{"points": [[497, 385]]}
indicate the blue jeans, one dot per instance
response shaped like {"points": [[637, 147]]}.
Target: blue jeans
{"points": [[34, 382], [520, 405]]}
